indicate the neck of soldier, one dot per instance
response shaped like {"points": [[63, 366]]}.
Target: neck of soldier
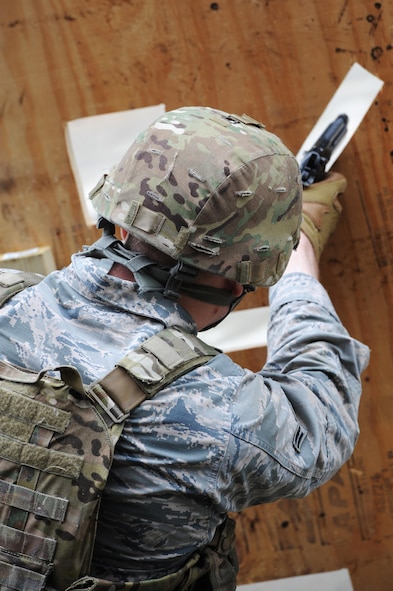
{"points": [[203, 314]]}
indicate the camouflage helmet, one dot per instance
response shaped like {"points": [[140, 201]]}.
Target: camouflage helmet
{"points": [[212, 190]]}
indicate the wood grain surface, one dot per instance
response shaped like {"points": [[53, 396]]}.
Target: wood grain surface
{"points": [[280, 61]]}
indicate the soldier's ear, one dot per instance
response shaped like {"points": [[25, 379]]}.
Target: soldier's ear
{"points": [[123, 233]]}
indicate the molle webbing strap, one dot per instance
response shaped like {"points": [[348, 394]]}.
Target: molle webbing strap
{"points": [[41, 504], [29, 412], [18, 578], [14, 577], [160, 360], [49, 461], [44, 548]]}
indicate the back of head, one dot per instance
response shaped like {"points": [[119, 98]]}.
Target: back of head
{"points": [[212, 190]]}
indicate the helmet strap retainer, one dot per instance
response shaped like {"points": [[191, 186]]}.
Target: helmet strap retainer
{"points": [[178, 275]]}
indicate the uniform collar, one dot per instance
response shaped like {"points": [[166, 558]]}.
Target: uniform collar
{"points": [[89, 277]]}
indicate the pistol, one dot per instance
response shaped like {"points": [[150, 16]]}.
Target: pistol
{"points": [[313, 165]]}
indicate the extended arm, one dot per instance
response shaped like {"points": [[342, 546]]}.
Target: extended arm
{"points": [[301, 411]]}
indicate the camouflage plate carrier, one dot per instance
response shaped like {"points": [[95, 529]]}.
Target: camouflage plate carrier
{"points": [[57, 439]]}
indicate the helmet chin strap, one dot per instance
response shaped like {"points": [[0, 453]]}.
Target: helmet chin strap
{"points": [[150, 276]]}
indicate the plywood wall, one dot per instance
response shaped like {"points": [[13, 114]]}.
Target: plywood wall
{"points": [[280, 61]]}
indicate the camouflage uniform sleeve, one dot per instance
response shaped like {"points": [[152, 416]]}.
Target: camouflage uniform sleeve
{"points": [[295, 423]]}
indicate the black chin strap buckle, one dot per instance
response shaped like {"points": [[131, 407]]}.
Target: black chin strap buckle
{"points": [[177, 275]]}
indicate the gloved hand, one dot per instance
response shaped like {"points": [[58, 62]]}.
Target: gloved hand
{"points": [[321, 209]]}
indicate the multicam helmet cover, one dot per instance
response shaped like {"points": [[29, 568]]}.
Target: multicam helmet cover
{"points": [[215, 191]]}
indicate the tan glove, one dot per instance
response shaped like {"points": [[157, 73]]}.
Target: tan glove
{"points": [[321, 209]]}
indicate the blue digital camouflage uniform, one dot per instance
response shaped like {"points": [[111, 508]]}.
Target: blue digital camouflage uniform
{"points": [[218, 439]]}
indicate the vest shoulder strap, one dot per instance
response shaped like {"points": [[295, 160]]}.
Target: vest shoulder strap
{"points": [[146, 370], [12, 282]]}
